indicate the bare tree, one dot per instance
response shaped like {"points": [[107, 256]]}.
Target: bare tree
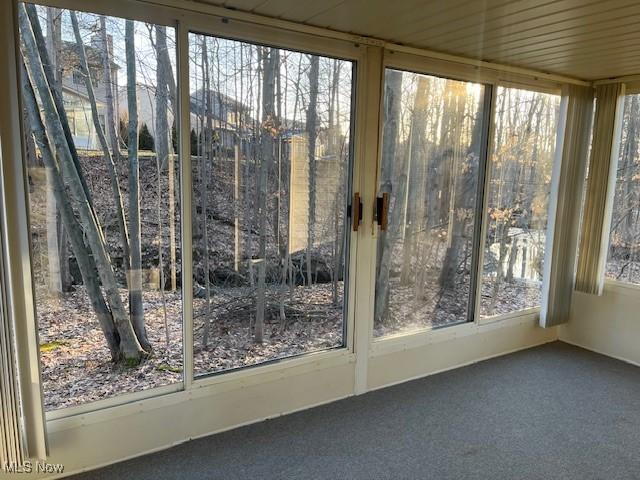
{"points": [[207, 156], [312, 135], [82, 254], [106, 152], [53, 227], [386, 238], [135, 273]]}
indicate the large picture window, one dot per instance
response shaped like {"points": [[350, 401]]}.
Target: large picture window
{"points": [[432, 145], [99, 108], [270, 154], [525, 134], [623, 262]]}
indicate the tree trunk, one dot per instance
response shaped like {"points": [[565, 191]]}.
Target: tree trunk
{"points": [[204, 200], [270, 67], [387, 238], [116, 158], [49, 77], [53, 246], [465, 184], [415, 176], [312, 115], [83, 255], [85, 262], [136, 308], [108, 158], [162, 133], [166, 85]]}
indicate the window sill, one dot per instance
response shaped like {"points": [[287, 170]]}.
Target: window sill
{"points": [[617, 287], [425, 337], [123, 405]]}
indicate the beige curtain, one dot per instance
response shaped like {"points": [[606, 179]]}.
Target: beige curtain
{"points": [[594, 239], [567, 183], [11, 449], [22, 419]]}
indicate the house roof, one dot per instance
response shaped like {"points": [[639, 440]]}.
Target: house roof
{"points": [[71, 54], [232, 103]]}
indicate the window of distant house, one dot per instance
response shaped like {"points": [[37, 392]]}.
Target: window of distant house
{"points": [[78, 78], [519, 184], [623, 262]]}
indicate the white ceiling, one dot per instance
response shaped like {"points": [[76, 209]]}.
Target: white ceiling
{"points": [[587, 39]]}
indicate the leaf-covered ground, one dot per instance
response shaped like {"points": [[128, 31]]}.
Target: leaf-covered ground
{"points": [[76, 366]]}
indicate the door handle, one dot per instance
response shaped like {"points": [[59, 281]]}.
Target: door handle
{"points": [[382, 211], [356, 211]]}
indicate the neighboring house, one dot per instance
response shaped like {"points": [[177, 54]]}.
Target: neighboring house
{"points": [[326, 191], [229, 116], [74, 93], [146, 97]]}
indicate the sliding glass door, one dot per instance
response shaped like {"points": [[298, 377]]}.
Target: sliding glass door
{"points": [[271, 162], [432, 165]]}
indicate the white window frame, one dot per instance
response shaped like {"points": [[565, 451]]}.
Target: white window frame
{"points": [[632, 87], [223, 27], [410, 61]]}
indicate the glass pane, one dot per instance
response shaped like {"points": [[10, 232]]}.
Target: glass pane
{"points": [[525, 131], [270, 146], [432, 140], [104, 214], [623, 262]]}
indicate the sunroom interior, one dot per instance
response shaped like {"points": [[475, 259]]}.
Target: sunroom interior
{"points": [[338, 239]]}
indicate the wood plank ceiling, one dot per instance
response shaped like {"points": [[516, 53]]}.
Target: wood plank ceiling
{"points": [[587, 39]]}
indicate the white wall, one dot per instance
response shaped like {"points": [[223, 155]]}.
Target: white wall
{"points": [[609, 324]]}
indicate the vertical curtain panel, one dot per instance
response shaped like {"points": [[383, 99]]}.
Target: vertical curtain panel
{"points": [[594, 238], [11, 451], [568, 174], [22, 419]]}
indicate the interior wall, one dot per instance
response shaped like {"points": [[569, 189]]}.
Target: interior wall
{"points": [[471, 344], [607, 324]]}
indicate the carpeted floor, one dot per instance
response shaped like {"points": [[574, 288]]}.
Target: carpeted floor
{"points": [[551, 412]]}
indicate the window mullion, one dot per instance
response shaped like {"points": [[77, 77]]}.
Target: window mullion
{"points": [[481, 216]]}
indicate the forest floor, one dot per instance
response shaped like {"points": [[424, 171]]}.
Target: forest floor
{"points": [[76, 366], [438, 309]]}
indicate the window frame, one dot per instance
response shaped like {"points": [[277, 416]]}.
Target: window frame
{"points": [[545, 88], [612, 284], [223, 27], [243, 32], [416, 65], [491, 79]]}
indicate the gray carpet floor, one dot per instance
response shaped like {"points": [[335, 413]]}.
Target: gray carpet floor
{"points": [[550, 412]]}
